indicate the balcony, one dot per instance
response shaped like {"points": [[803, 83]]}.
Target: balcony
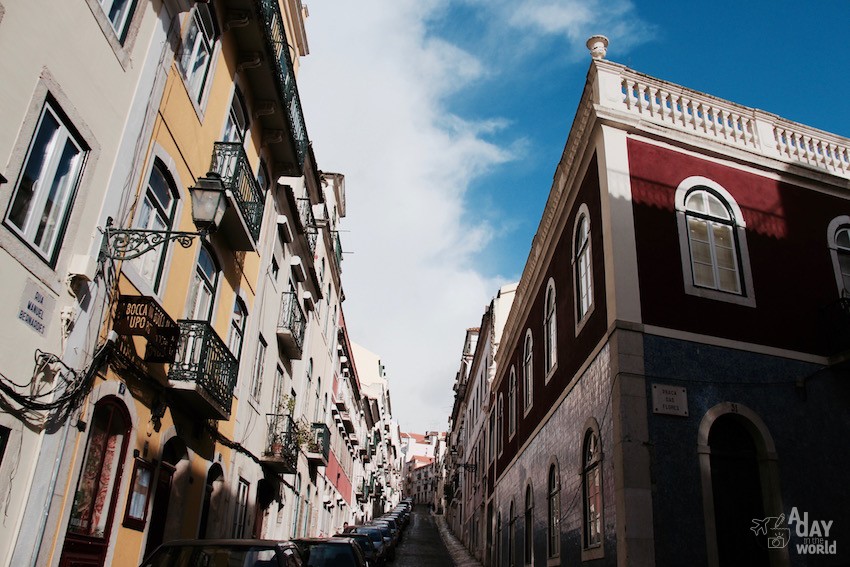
{"points": [[308, 222], [361, 491], [264, 61], [204, 372], [338, 249], [281, 454], [291, 325], [241, 223], [319, 445]]}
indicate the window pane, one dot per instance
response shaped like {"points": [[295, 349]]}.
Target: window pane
{"points": [[57, 196], [141, 491], [728, 280], [842, 238], [43, 195], [33, 171], [703, 275]]}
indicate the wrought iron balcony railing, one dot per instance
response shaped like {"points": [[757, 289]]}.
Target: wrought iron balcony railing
{"points": [[308, 221], [281, 452], [231, 163], [204, 370], [291, 325], [285, 75]]}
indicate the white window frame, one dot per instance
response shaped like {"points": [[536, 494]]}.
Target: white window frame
{"points": [[553, 511], [527, 372], [259, 365], [240, 516], [202, 282], [44, 183], [550, 330], [151, 265], [835, 251], [121, 24], [582, 259], [512, 403], [747, 295], [204, 40], [236, 333], [500, 424]]}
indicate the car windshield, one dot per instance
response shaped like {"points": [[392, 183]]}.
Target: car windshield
{"points": [[211, 556], [373, 533], [331, 555]]}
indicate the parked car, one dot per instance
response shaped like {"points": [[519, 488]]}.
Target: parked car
{"points": [[389, 529], [215, 552], [382, 540], [374, 556], [330, 552]]}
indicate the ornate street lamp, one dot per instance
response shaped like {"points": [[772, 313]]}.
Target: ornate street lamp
{"points": [[209, 204]]}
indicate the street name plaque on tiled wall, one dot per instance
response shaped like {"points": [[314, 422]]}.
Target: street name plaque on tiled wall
{"points": [[670, 400]]}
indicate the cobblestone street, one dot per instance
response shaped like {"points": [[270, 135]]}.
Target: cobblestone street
{"points": [[428, 543]]}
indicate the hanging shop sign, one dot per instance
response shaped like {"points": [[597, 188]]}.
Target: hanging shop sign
{"points": [[139, 315]]}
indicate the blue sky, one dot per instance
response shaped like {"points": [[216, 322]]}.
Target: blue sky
{"points": [[448, 118]]}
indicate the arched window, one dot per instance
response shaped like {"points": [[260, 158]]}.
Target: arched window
{"points": [[838, 238], [528, 372], [553, 509], [550, 329], [592, 489], [501, 422], [842, 245], [712, 240], [498, 550], [582, 269], [511, 536], [318, 400], [156, 212], [512, 403], [528, 536], [195, 57], [296, 510], [203, 287], [212, 502]]}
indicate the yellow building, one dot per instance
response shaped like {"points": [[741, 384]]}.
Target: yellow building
{"points": [[154, 459]]}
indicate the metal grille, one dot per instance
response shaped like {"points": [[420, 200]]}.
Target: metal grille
{"points": [[203, 358], [229, 161]]}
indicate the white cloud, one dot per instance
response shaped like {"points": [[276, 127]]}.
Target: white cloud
{"points": [[372, 88], [375, 88]]}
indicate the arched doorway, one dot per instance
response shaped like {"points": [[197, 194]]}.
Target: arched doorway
{"points": [[212, 495], [740, 482], [166, 513], [737, 493], [93, 508]]}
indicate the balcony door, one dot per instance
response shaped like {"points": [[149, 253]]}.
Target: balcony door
{"points": [[203, 287]]}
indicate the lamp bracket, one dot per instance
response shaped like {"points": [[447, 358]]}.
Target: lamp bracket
{"points": [[130, 243]]}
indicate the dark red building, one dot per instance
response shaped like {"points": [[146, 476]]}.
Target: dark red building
{"points": [[672, 383]]}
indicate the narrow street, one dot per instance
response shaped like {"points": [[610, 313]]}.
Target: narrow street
{"points": [[422, 545]]}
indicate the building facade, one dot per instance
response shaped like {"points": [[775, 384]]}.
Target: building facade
{"points": [[669, 393], [193, 373]]}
